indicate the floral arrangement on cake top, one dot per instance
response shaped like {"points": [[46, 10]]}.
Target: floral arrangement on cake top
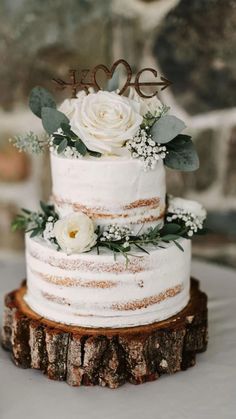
{"points": [[106, 123]]}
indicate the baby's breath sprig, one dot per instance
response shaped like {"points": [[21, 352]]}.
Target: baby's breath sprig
{"points": [[30, 143], [37, 223], [189, 214], [143, 147]]}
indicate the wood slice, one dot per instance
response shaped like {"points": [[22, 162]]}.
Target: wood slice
{"points": [[102, 356]]}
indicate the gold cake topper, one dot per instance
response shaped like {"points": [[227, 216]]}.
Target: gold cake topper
{"points": [[88, 78]]}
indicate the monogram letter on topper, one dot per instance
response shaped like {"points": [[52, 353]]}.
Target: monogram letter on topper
{"points": [[89, 79]]}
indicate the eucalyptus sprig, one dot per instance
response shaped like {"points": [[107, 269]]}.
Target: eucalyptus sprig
{"points": [[156, 236], [65, 137], [56, 123], [35, 222], [164, 130]]}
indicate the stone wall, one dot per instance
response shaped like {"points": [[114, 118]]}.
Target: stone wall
{"points": [[191, 42]]}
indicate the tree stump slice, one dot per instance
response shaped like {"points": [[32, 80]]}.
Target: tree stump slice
{"points": [[102, 356]]}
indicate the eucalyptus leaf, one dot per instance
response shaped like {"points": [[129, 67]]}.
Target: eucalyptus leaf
{"points": [[166, 128], [113, 82], [178, 245], [67, 130], [184, 158], [40, 98], [80, 147], [36, 232], [62, 146], [179, 141], [52, 119], [94, 153], [170, 237], [171, 228], [47, 209], [57, 140]]}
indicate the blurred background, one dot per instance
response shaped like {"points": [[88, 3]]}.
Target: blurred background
{"points": [[192, 43]]}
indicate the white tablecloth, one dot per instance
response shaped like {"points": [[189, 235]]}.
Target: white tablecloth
{"points": [[207, 390]]}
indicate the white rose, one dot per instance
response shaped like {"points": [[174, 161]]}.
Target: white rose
{"points": [[186, 206], [152, 105], [75, 233], [105, 121], [68, 106]]}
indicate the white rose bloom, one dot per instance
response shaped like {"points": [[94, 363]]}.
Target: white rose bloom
{"points": [[177, 205], [75, 233], [152, 105], [68, 106], [105, 121]]}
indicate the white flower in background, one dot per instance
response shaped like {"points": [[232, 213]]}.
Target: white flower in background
{"points": [[149, 105], [104, 121], [68, 106], [190, 212], [75, 233]]}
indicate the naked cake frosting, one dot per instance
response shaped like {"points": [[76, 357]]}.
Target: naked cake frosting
{"points": [[110, 248]]}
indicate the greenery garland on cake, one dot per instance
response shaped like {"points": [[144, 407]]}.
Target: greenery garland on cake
{"points": [[76, 233], [132, 126]]}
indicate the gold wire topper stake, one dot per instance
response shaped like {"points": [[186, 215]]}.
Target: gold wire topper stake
{"points": [[88, 78]]}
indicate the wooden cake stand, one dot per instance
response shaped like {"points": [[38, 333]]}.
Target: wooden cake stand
{"points": [[106, 357]]}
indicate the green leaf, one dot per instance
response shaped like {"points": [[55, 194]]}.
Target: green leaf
{"points": [[80, 147], [36, 232], [113, 82], [67, 130], [57, 140], [171, 228], [184, 158], [141, 248], [47, 209], [94, 153], [52, 119], [40, 98], [166, 128], [170, 237], [178, 245], [62, 146], [26, 211], [179, 141]]}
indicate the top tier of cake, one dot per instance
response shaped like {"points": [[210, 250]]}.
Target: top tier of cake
{"points": [[110, 190]]}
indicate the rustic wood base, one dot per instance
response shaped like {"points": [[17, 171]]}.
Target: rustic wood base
{"points": [[106, 357]]}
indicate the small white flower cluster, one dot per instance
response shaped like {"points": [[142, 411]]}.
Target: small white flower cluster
{"points": [[115, 232], [48, 233], [71, 152], [190, 212], [29, 143], [143, 147]]}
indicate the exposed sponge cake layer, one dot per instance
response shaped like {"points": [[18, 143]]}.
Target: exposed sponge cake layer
{"points": [[110, 190]]}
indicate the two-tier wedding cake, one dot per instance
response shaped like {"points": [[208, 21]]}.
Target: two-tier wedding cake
{"points": [[109, 255]]}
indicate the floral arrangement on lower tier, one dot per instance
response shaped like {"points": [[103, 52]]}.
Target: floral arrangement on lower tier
{"points": [[105, 123], [76, 233]]}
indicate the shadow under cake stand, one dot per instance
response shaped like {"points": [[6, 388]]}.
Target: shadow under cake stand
{"points": [[103, 356]]}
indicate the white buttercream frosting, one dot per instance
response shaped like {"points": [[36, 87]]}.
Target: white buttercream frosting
{"points": [[93, 290], [110, 190]]}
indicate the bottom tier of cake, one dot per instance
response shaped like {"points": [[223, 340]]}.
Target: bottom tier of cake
{"points": [[92, 290], [106, 357]]}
